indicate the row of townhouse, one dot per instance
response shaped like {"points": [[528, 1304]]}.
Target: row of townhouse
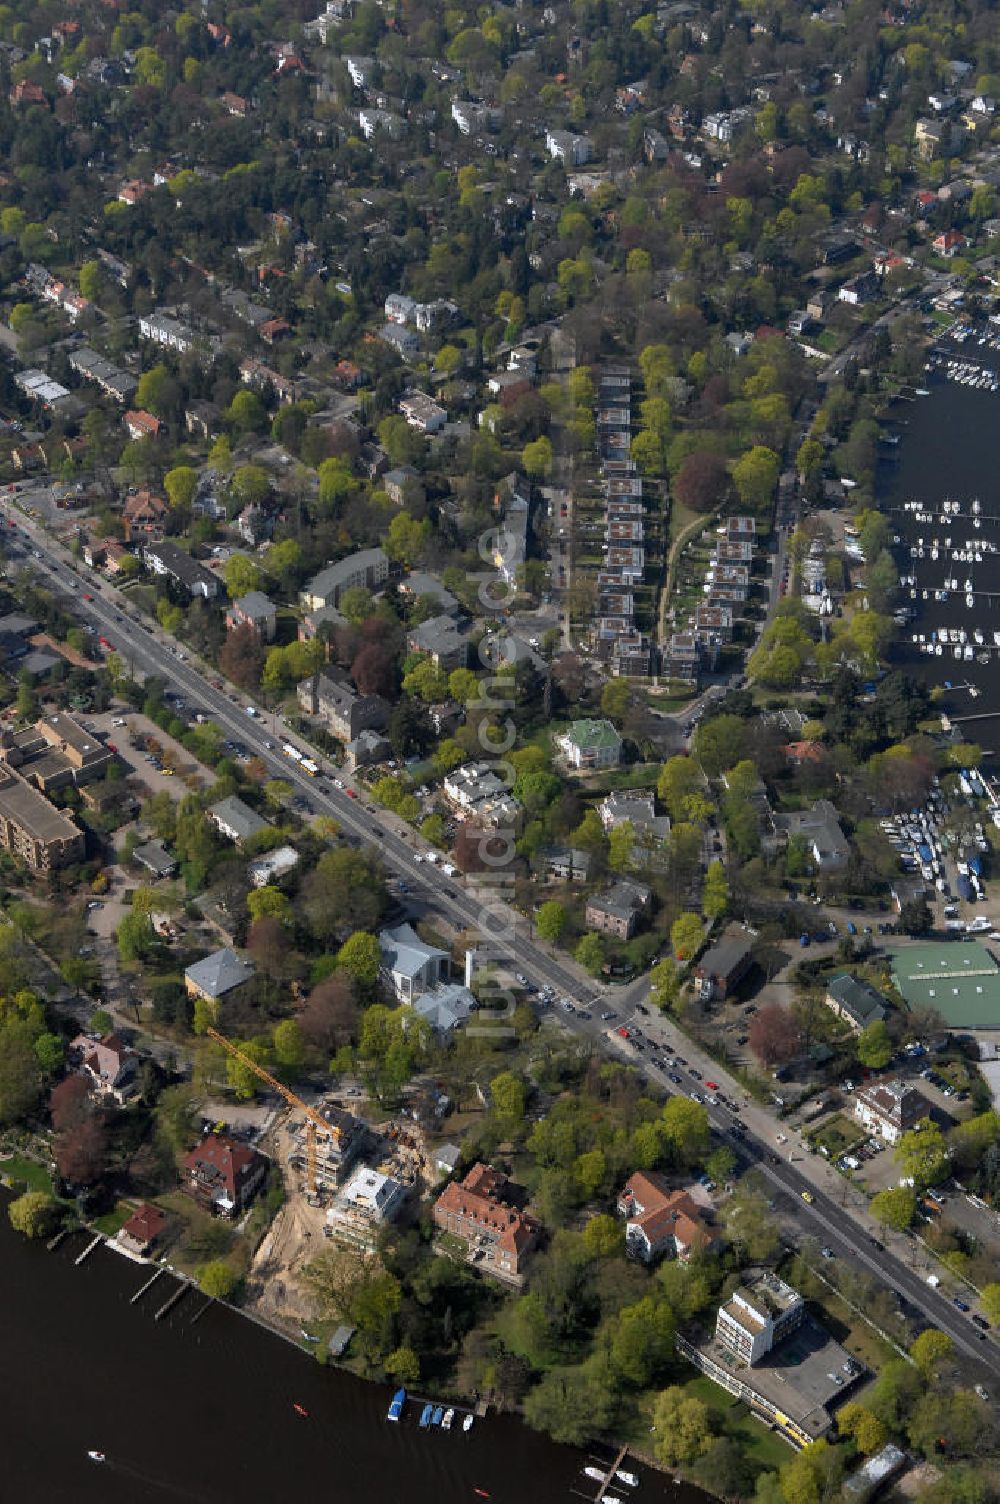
{"points": [[620, 644], [727, 584]]}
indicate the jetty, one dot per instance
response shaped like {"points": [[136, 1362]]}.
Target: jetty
{"points": [[147, 1286], [602, 1490], [89, 1249], [171, 1301], [53, 1243]]}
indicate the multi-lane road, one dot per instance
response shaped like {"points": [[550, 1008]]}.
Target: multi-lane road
{"points": [[152, 653]]}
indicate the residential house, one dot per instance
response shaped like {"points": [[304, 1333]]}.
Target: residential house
{"points": [[156, 859], [414, 966], [361, 70], [142, 425], [203, 420], [445, 1007], [255, 610], [371, 1196], [368, 567], [859, 289], [419, 584], [223, 1174], [402, 484], [272, 865], [662, 1222], [163, 330], [479, 795], [367, 750], [949, 243], [109, 1063], [477, 1210], [857, 1002], [890, 1108], [167, 559], [55, 751], [570, 149], [345, 712], [724, 965], [143, 512], [423, 413], [757, 1316], [215, 976], [262, 378], [235, 820], [591, 744], [403, 341], [617, 911], [565, 863], [447, 645], [143, 1230], [113, 382], [820, 827]]}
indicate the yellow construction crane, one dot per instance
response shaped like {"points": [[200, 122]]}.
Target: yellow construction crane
{"points": [[313, 1118]]}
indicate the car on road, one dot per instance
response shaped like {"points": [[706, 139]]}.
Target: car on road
{"points": [[963, 1305], [712, 1085], [675, 1078], [981, 1322], [826, 1253], [696, 1096], [807, 1196], [352, 795], [694, 1073], [607, 1016], [339, 782], [521, 979], [641, 1008], [87, 597]]}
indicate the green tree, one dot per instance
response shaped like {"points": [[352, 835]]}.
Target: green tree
{"points": [[180, 484], [289, 1044], [679, 777], [551, 920], [873, 1046], [894, 1207], [251, 486], [336, 482], [537, 458], [686, 935], [715, 893], [812, 1474], [664, 984], [403, 1365], [216, 1278], [406, 539], [755, 475], [718, 743], [922, 1155], [157, 391], [269, 902], [930, 1350], [990, 1300], [34, 1214], [682, 1427], [589, 953], [507, 1097], [361, 957], [247, 413], [241, 574], [134, 937], [863, 1426], [685, 1131]]}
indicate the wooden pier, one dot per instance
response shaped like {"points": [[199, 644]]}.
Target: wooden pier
{"points": [[53, 1243], [89, 1249], [169, 1304], [147, 1286]]}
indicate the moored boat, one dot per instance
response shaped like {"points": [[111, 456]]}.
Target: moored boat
{"points": [[468, 1422], [447, 1418], [425, 1416], [396, 1408]]}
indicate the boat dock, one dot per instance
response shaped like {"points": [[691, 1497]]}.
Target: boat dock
{"points": [[89, 1249], [53, 1243], [171, 1301], [147, 1286], [609, 1469]]}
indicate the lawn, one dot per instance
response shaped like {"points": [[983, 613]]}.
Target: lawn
{"points": [[33, 1175], [114, 1220], [838, 1135], [730, 1415]]}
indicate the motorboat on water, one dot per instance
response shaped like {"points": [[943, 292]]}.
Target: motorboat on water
{"points": [[438, 1415], [625, 1477], [396, 1407], [447, 1418], [468, 1422], [425, 1416], [596, 1474], [97, 1457]]}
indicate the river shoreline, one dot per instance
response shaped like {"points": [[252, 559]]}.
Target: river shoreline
{"points": [[199, 1406]]}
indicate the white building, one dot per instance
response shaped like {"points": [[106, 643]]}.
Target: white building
{"points": [[165, 331], [414, 966], [566, 147], [757, 1317], [372, 1195]]}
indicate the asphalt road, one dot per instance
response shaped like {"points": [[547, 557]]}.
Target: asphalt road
{"points": [[154, 654]]}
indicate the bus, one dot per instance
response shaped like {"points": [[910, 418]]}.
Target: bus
{"points": [[310, 767], [292, 752]]}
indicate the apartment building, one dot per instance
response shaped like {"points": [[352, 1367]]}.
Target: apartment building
{"points": [[758, 1316]]}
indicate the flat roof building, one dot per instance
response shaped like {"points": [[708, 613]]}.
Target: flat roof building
{"points": [[33, 829], [959, 979]]}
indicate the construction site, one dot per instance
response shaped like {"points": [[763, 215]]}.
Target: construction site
{"points": [[344, 1179]]}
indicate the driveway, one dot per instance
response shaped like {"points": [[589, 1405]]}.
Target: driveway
{"points": [[139, 725]]}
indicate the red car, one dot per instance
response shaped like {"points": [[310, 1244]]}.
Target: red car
{"points": [[712, 1085], [623, 1032], [111, 746], [87, 597], [351, 794]]}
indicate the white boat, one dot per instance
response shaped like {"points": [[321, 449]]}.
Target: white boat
{"points": [[596, 1474], [97, 1457], [468, 1422], [449, 1416], [629, 1478]]}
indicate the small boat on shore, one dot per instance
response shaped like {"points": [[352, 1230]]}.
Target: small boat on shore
{"points": [[396, 1408]]}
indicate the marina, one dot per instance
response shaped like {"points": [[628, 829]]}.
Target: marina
{"points": [[936, 488]]}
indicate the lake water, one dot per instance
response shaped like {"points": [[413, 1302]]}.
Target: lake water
{"points": [[203, 1412], [947, 453]]}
